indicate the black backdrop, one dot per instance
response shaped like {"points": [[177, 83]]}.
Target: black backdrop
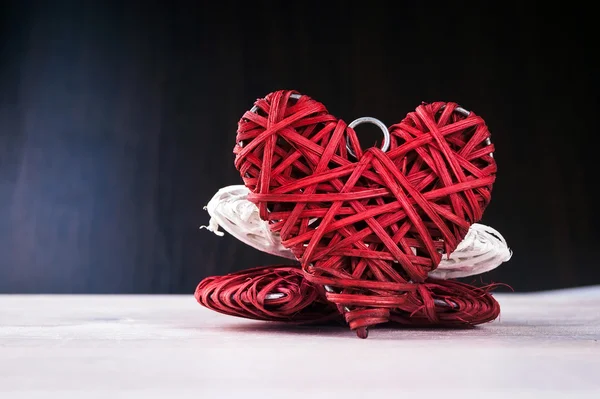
{"points": [[117, 125]]}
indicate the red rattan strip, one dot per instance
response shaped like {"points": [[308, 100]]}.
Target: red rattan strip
{"points": [[245, 294], [433, 303]]}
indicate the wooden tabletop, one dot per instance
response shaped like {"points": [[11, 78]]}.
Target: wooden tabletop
{"points": [[544, 345]]}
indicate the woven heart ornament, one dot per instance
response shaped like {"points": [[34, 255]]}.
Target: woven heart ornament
{"points": [[367, 225], [282, 293]]}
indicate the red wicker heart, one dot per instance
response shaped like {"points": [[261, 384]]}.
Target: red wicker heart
{"points": [[372, 225], [281, 293]]}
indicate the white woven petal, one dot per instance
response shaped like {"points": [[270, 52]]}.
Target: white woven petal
{"points": [[230, 209], [482, 250]]}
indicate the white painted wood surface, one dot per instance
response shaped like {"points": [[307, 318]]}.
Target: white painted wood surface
{"points": [[545, 345]]}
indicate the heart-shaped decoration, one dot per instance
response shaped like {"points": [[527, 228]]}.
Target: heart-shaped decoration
{"points": [[282, 293], [366, 224], [275, 293]]}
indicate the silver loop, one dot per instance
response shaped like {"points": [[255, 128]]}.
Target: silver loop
{"points": [[274, 295], [461, 110], [367, 119]]}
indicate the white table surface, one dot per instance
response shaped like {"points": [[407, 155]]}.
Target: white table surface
{"points": [[545, 345]]}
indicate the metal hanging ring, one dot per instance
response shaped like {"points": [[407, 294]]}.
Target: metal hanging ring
{"points": [[367, 119]]}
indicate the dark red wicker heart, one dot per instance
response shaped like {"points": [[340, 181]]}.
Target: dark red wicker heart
{"points": [[369, 227], [281, 293], [275, 293]]}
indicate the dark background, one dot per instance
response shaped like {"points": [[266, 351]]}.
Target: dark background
{"points": [[118, 119]]}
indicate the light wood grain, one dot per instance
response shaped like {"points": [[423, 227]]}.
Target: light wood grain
{"points": [[544, 345]]}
